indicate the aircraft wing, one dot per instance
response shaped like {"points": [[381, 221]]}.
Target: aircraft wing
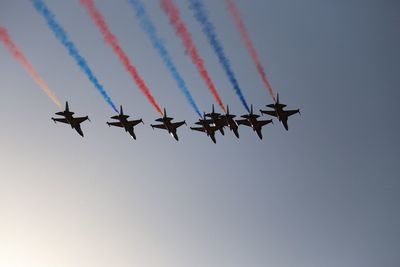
{"points": [[262, 123], [159, 126], [134, 122], [291, 112], [117, 124], [178, 124], [206, 121], [243, 122], [200, 129], [80, 119], [61, 120], [269, 112]]}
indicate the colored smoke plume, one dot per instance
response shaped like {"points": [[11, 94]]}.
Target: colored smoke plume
{"points": [[172, 11], [201, 16], [62, 36], [112, 40], [148, 26], [233, 10], [20, 57]]}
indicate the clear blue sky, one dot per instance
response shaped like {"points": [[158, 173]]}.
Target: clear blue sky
{"points": [[326, 193]]}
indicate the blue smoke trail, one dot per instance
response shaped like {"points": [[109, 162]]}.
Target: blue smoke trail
{"points": [[62, 36], [208, 28], [149, 28]]}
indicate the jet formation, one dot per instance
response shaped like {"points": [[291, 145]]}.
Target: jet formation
{"points": [[210, 124], [209, 127]]}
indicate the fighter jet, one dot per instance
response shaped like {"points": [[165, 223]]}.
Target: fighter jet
{"points": [[168, 125], [69, 119], [124, 123], [229, 121], [217, 120], [278, 112], [207, 127], [252, 121]]}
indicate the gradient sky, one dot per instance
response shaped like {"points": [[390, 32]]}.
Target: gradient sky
{"points": [[326, 193]]}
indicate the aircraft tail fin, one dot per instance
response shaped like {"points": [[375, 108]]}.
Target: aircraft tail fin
{"points": [[165, 112], [227, 110], [121, 111], [66, 107], [277, 98]]}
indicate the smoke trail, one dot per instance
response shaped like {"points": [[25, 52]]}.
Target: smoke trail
{"points": [[209, 30], [19, 56], [112, 40], [249, 45], [157, 43], [174, 18], [62, 36]]}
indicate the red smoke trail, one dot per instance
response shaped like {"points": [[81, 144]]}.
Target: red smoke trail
{"points": [[172, 11], [19, 56], [111, 39], [249, 45]]}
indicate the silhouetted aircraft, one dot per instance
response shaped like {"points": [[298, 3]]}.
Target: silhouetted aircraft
{"points": [[252, 121], [216, 120], [69, 119], [278, 112], [124, 123], [168, 125], [229, 121], [207, 127]]}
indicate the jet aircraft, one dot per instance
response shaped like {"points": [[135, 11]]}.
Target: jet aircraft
{"points": [[123, 122], [168, 125], [278, 112], [69, 119], [207, 127], [229, 121], [252, 121]]}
